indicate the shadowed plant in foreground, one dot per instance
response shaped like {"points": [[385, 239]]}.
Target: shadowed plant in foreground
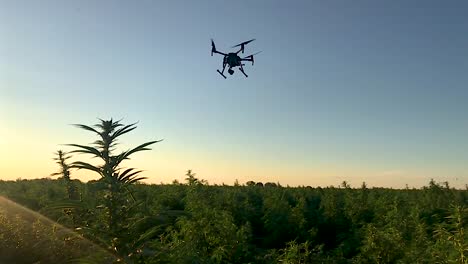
{"points": [[62, 160], [118, 201]]}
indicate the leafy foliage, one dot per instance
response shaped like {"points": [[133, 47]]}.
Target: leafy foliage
{"points": [[118, 202], [253, 224]]}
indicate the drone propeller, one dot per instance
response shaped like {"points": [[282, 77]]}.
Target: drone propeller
{"points": [[243, 44], [254, 54], [213, 47], [251, 57]]}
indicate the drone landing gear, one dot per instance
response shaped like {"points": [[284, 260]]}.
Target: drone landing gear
{"points": [[221, 74], [242, 70]]}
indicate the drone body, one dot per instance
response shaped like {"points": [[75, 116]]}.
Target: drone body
{"points": [[232, 59]]}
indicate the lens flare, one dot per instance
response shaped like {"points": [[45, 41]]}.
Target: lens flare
{"points": [[29, 237]]}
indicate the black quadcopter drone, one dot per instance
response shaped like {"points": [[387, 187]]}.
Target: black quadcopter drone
{"points": [[232, 59]]}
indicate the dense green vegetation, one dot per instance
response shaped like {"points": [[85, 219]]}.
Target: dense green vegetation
{"points": [[183, 223], [116, 219]]}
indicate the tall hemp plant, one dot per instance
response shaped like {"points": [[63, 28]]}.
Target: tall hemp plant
{"points": [[61, 159], [116, 178]]}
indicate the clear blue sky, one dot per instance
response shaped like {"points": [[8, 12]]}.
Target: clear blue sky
{"points": [[373, 91]]}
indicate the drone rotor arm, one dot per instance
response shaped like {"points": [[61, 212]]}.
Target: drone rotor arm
{"points": [[218, 52], [242, 45], [250, 57], [241, 50], [213, 49]]}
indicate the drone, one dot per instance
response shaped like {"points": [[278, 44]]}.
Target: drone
{"points": [[232, 59]]}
